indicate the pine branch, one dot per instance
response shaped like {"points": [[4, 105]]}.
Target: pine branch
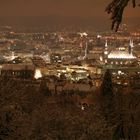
{"points": [[116, 9]]}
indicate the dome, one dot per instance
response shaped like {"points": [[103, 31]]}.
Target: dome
{"points": [[120, 55]]}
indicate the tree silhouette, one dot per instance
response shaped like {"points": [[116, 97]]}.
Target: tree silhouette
{"points": [[43, 88], [116, 9], [106, 87], [106, 97]]}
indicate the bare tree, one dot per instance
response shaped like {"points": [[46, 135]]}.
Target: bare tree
{"points": [[116, 9]]}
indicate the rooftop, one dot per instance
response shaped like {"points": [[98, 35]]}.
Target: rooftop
{"points": [[118, 54]]}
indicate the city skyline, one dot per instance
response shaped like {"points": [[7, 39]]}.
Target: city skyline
{"points": [[65, 75]]}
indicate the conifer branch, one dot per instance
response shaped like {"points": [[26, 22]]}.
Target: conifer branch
{"points": [[116, 9]]}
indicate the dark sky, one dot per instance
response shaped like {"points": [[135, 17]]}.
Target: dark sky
{"points": [[81, 13], [81, 8]]}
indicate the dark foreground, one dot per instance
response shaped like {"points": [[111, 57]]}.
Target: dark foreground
{"points": [[29, 111]]}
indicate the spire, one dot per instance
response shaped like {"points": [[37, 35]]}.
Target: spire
{"points": [[106, 44], [131, 45], [86, 50], [106, 48]]}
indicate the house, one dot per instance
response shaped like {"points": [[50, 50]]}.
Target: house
{"points": [[25, 71]]}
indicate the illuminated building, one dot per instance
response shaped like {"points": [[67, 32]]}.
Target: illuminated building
{"points": [[55, 58], [120, 56], [18, 71], [38, 74], [10, 57]]}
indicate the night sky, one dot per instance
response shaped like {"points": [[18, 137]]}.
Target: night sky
{"points": [[79, 8], [66, 12]]}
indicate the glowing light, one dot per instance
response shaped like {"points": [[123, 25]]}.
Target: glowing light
{"points": [[118, 83], [38, 74], [106, 44], [68, 69], [106, 52], [122, 48], [126, 84], [101, 58], [120, 55], [131, 43], [82, 108], [119, 72], [105, 61], [13, 56], [99, 36], [83, 34]]}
